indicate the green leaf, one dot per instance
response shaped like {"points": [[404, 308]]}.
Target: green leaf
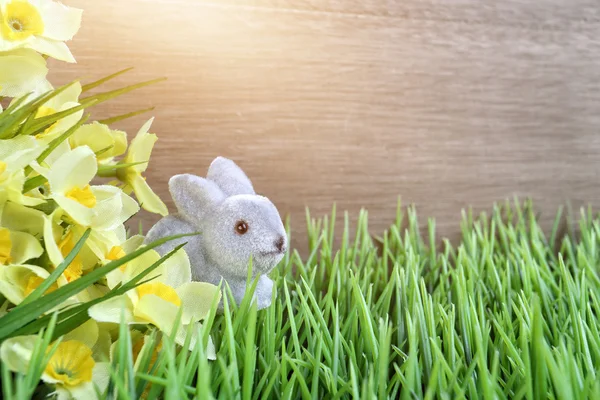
{"points": [[90, 86], [105, 96], [34, 182], [118, 118]]}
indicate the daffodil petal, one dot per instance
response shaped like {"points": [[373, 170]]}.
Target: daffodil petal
{"points": [[95, 135], [93, 249], [13, 190], [175, 271], [181, 337], [113, 278], [147, 198], [141, 147], [196, 300], [60, 22], [14, 279], [53, 48], [113, 207], [24, 247], [19, 152], [69, 95], [66, 123], [77, 211], [100, 138], [23, 70], [87, 333], [51, 233], [100, 378], [61, 392], [110, 310], [157, 311], [16, 352], [141, 263], [120, 147], [133, 243], [16, 216], [101, 350], [58, 152], [73, 169]]}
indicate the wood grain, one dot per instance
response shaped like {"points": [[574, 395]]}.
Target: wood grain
{"points": [[447, 103]]}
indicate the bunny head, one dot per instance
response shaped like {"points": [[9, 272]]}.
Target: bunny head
{"points": [[236, 224]]}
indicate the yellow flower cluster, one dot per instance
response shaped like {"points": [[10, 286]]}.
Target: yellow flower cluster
{"points": [[50, 197]]}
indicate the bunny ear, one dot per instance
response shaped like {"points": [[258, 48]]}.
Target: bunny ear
{"points": [[229, 177], [194, 196]]}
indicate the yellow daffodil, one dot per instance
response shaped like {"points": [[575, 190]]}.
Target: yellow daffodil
{"points": [[105, 142], [119, 251], [15, 155], [17, 247], [75, 369], [139, 152], [69, 178], [102, 207], [157, 302], [59, 242], [23, 72], [18, 281], [41, 25]]}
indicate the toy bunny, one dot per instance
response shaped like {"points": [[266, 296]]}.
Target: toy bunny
{"points": [[234, 224]]}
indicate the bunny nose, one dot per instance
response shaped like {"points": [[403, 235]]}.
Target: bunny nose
{"points": [[280, 243]]}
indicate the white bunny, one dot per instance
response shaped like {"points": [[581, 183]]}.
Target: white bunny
{"points": [[235, 224]]}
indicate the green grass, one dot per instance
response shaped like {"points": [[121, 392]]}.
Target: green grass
{"points": [[510, 312]]}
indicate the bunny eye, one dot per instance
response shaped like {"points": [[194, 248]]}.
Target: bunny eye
{"points": [[241, 227]]}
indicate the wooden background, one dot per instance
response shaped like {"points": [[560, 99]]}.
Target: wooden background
{"points": [[447, 103]]}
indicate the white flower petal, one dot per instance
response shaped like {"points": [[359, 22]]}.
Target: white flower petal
{"points": [[66, 123], [110, 310], [67, 98], [133, 243], [141, 263], [13, 188], [157, 311], [147, 198], [19, 152], [53, 48], [16, 352], [23, 71], [14, 279], [60, 22], [74, 169], [175, 271], [101, 350], [16, 216], [113, 207], [24, 247], [52, 233], [196, 300], [61, 149], [87, 333], [141, 147], [182, 333], [61, 392], [77, 211]]}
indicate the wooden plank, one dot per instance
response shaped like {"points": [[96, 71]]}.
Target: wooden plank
{"points": [[446, 103]]}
